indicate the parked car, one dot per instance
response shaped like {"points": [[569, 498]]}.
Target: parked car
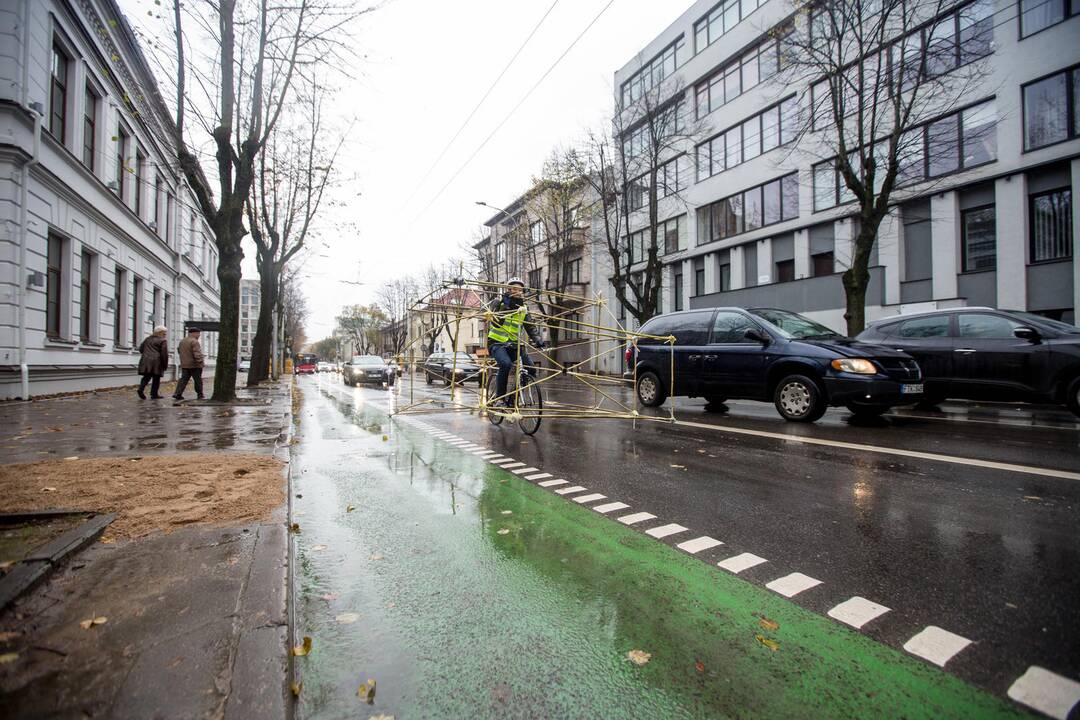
{"points": [[768, 354], [442, 365], [366, 369], [980, 353], [325, 367]]}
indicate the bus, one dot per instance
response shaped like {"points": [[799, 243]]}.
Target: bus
{"points": [[306, 363]]}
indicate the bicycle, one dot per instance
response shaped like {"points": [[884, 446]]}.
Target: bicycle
{"points": [[526, 401]]}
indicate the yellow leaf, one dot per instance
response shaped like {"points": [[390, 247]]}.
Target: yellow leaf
{"points": [[48, 489], [679, 467], [768, 624], [91, 622], [385, 438], [362, 690], [367, 691], [639, 657], [771, 644], [72, 457], [349, 508], [381, 717], [347, 618], [507, 512], [296, 687], [318, 548], [302, 650], [107, 540], [8, 657], [504, 531]]}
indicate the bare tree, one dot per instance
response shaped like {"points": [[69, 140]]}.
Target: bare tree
{"points": [[394, 297], [361, 323], [293, 314], [880, 71]]}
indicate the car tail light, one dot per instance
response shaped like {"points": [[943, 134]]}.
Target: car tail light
{"points": [[629, 353]]}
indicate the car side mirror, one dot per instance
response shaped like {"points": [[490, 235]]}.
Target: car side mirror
{"points": [[1027, 333], [756, 335]]}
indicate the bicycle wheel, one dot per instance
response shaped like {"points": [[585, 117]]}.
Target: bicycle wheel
{"points": [[530, 404], [494, 416]]}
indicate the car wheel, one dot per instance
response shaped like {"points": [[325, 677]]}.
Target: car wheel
{"points": [[650, 390], [868, 411], [1072, 397], [799, 399], [715, 399], [427, 378]]}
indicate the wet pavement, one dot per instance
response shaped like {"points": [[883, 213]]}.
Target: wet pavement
{"points": [[418, 587]]}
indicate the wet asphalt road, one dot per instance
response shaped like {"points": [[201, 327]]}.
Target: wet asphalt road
{"points": [[988, 552]]}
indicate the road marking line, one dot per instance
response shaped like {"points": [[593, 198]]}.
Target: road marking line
{"points": [[738, 563], [571, 489], [484, 451], [494, 457], [857, 611], [592, 497], [990, 464], [507, 466], [538, 476], [1045, 691], [665, 530], [502, 462], [551, 483], [936, 645], [610, 507], [793, 584], [522, 471], [636, 518], [698, 544]]}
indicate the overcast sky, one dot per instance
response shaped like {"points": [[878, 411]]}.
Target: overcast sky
{"points": [[428, 62]]}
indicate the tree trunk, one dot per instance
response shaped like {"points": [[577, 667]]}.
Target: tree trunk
{"points": [[228, 232], [856, 279], [261, 346]]}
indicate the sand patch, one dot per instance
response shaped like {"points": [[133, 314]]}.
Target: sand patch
{"points": [[152, 493]]}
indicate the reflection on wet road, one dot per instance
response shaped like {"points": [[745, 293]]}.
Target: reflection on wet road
{"points": [[464, 590]]}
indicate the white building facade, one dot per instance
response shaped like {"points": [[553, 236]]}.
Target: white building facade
{"points": [[250, 300], [757, 225], [102, 239]]}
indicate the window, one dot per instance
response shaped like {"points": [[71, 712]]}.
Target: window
{"points": [[785, 271], [86, 297], [535, 279], [121, 160], [978, 230], [155, 210], [789, 197], [724, 16], [764, 131], [752, 208], [58, 93], [1036, 15], [119, 305], [699, 276], [822, 264], [730, 327], [572, 271], [983, 325], [825, 178], [1051, 225], [672, 235], [155, 317], [140, 160], [136, 312], [167, 310], [678, 291], [654, 72], [90, 110], [1051, 112], [725, 277], [54, 289], [500, 252], [756, 207], [943, 146], [536, 233], [936, 326]]}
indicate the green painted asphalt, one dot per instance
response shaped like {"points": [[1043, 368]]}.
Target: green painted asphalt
{"points": [[459, 619]]}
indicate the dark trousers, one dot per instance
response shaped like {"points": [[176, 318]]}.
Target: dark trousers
{"points": [[186, 374], [154, 381], [506, 356]]}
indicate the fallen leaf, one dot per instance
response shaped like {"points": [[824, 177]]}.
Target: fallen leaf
{"points": [[700, 450], [771, 644], [8, 657], [295, 527], [768, 624], [504, 531], [699, 666], [91, 622], [349, 508], [367, 691], [679, 467], [72, 457], [48, 489], [55, 429], [302, 650], [385, 438], [507, 512], [347, 618], [381, 717], [1032, 497], [375, 556], [639, 657], [296, 687], [318, 548], [107, 540]]}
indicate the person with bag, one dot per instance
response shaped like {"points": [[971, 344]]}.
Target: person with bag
{"points": [[153, 361]]}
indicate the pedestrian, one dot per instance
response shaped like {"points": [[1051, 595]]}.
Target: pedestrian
{"points": [[153, 361], [191, 364]]}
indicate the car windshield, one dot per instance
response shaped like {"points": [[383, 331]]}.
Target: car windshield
{"points": [[1057, 325], [462, 357], [792, 325], [367, 360]]}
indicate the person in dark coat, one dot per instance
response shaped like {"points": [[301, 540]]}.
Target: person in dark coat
{"points": [[153, 362]]}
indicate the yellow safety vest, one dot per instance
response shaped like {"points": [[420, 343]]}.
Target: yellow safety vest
{"points": [[507, 328]]}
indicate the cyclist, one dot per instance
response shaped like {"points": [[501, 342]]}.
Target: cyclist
{"points": [[506, 316]]}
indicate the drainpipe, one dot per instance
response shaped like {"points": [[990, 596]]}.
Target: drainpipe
{"points": [[24, 214]]}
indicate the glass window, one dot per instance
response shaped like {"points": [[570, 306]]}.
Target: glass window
{"points": [[824, 186], [732, 83], [979, 238], [90, 107], [716, 92], [979, 125], [911, 156], [702, 100], [725, 277], [983, 325], [822, 264], [751, 130], [976, 30], [789, 194], [1046, 112], [789, 120], [719, 154], [934, 326], [771, 203], [704, 165], [1051, 225], [140, 160], [770, 129], [704, 226], [121, 170], [735, 214], [691, 328], [53, 286], [1036, 15], [731, 14], [753, 209], [767, 60], [85, 296], [699, 276], [733, 139], [671, 236], [943, 146], [58, 94], [941, 52], [701, 36], [731, 327]]}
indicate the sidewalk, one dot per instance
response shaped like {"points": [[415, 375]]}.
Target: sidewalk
{"points": [[196, 618]]}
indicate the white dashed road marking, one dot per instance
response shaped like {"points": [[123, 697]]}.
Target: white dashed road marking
{"points": [[537, 476], [591, 497], [571, 489], [551, 483], [636, 518], [1047, 692], [857, 611], [741, 562], [793, 584], [522, 471], [609, 507], [698, 544], [936, 645], [665, 530], [507, 466]]}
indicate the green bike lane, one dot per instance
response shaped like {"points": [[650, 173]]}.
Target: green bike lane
{"points": [[465, 591]]}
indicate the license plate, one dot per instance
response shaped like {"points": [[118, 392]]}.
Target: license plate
{"points": [[911, 389]]}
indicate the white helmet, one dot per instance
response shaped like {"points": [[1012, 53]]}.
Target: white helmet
{"points": [[516, 281]]}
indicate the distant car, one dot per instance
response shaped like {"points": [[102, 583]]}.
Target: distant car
{"points": [[364, 369], [769, 354], [306, 367], [979, 353], [324, 367], [245, 365], [460, 366]]}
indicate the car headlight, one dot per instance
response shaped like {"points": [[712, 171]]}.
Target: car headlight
{"points": [[858, 366]]}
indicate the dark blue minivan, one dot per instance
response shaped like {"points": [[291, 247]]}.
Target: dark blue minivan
{"points": [[769, 354]]}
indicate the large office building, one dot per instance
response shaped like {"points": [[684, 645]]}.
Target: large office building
{"points": [[250, 300], [989, 219], [102, 238]]}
